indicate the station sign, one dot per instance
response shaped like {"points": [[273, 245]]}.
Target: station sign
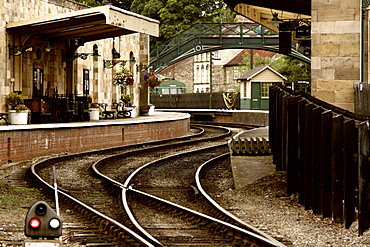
{"points": [[302, 33]]}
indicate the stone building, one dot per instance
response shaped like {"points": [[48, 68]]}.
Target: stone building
{"points": [[339, 41], [225, 66], [51, 47]]}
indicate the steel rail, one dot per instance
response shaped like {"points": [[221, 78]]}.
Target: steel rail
{"points": [[83, 207], [200, 172]]}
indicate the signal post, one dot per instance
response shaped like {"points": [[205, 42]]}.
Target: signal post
{"points": [[43, 226]]}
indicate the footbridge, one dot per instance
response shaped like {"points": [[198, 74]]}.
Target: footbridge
{"points": [[208, 37]]}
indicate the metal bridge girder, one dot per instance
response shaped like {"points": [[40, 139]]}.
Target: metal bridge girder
{"points": [[210, 37]]}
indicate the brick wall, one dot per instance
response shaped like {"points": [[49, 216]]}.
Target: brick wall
{"points": [[25, 144]]}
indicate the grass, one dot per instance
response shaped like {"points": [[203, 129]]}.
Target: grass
{"points": [[13, 197]]}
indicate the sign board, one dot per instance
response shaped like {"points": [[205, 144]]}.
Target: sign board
{"points": [[302, 33], [42, 243], [76, 41]]}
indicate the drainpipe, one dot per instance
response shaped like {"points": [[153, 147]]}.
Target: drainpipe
{"points": [[363, 71]]}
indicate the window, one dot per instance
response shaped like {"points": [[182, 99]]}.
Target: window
{"points": [[236, 73], [265, 89]]}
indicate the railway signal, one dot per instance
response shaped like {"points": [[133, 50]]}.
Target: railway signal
{"points": [[42, 222]]}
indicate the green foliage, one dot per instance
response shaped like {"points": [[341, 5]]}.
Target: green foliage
{"points": [[92, 3], [176, 16], [257, 60], [13, 99], [293, 69], [12, 197]]}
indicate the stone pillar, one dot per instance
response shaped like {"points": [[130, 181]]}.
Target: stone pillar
{"points": [[144, 60], [335, 55]]}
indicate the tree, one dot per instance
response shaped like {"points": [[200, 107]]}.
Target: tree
{"points": [[176, 16], [293, 69], [256, 58]]}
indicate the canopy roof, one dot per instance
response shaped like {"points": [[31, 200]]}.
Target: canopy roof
{"points": [[261, 11], [294, 6], [90, 24]]}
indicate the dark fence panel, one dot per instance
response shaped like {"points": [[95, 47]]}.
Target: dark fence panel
{"points": [[194, 101], [325, 151]]}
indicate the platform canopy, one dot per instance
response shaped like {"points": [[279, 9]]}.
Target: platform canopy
{"points": [[261, 11], [90, 24]]}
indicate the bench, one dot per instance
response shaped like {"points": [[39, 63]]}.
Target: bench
{"points": [[106, 113], [122, 111], [3, 116]]}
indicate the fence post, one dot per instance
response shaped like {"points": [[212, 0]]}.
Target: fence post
{"points": [[308, 156], [278, 136], [292, 147], [326, 129], [350, 171], [364, 178], [316, 160], [337, 169], [284, 132], [301, 149]]}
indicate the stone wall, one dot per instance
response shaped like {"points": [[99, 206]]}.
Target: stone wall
{"points": [[53, 63], [335, 51], [18, 10]]}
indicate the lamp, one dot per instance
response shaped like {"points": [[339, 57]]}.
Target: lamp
{"points": [[108, 64], [115, 54], [16, 50], [275, 21], [48, 47], [143, 67]]}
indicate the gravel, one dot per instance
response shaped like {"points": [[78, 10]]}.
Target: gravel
{"points": [[262, 204]]}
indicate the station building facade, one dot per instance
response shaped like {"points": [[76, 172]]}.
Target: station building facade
{"points": [[53, 47]]}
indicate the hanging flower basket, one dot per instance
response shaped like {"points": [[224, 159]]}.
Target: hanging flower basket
{"points": [[152, 79], [123, 77]]}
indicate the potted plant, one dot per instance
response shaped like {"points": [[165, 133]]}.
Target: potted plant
{"points": [[126, 99], [151, 109], [123, 78], [14, 99], [94, 111], [18, 112], [144, 110], [152, 79]]}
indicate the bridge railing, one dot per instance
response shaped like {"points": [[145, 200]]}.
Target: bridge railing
{"points": [[214, 29], [325, 151]]}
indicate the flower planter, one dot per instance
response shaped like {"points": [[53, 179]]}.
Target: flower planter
{"points": [[151, 110], [133, 110], [20, 117], [144, 111], [94, 114]]}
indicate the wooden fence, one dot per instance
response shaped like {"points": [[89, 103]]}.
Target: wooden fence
{"points": [[325, 151], [196, 101]]}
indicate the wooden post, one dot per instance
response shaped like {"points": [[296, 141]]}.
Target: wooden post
{"points": [[292, 147], [337, 169], [316, 160], [301, 149], [326, 129], [364, 178], [308, 156], [350, 171]]}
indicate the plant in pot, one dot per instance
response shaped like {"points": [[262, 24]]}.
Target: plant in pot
{"points": [[14, 99], [18, 112], [123, 77], [94, 111], [126, 99]]}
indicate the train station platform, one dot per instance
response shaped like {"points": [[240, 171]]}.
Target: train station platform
{"points": [[25, 142], [249, 168]]}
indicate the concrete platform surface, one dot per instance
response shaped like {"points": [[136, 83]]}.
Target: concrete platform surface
{"points": [[248, 169]]}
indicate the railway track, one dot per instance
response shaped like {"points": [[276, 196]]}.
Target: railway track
{"points": [[132, 174]]}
